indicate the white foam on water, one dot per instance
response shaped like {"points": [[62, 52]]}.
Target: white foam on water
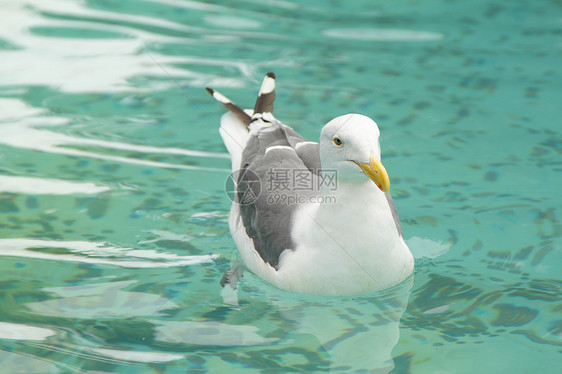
{"points": [[98, 253], [138, 356], [231, 22], [16, 331], [103, 64], [19, 130], [40, 186]]}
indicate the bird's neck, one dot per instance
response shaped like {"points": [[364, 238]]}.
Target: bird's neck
{"points": [[351, 191], [361, 201]]}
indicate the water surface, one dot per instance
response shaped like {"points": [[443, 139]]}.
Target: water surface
{"points": [[113, 215]]}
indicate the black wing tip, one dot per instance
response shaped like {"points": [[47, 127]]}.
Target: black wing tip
{"points": [[242, 116], [266, 95]]}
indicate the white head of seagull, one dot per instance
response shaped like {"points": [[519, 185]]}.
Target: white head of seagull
{"points": [[350, 145]]}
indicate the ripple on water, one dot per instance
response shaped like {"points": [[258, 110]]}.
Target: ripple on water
{"points": [[382, 35]]}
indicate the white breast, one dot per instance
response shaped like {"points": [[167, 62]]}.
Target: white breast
{"points": [[350, 246]]}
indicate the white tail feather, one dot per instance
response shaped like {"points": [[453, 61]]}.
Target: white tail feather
{"points": [[235, 136]]}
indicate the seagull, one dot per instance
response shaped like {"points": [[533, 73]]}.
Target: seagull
{"points": [[312, 217]]}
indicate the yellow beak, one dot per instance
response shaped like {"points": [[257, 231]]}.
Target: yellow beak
{"points": [[377, 173]]}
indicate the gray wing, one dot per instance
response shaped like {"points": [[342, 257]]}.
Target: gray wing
{"points": [[308, 152], [266, 206], [267, 192]]}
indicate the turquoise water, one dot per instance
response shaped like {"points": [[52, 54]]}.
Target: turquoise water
{"points": [[113, 215]]}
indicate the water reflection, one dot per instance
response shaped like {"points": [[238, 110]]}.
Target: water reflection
{"points": [[99, 300], [112, 320], [209, 333], [362, 332], [320, 333], [116, 323]]}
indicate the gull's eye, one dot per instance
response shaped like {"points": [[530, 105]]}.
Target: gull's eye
{"points": [[338, 142]]}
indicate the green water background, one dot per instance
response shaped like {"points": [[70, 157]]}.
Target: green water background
{"points": [[104, 247]]}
